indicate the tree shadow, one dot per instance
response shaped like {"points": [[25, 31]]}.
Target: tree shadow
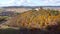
{"points": [[32, 31], [50, 30]]}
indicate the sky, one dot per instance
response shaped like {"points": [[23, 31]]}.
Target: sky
{"points": [[29, 3]]}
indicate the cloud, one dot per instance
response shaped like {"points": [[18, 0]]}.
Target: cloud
{"points": [[41, 3], [30, 2], [6, 1]]}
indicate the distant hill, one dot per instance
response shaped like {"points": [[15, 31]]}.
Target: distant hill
{"points": [[33, 7], [29, 6], [21, 7]]}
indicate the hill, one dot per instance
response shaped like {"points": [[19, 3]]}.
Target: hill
{"points": [[41, 19]]}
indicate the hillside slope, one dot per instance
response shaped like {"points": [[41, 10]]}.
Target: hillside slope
{"points": [[35, 19]]}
